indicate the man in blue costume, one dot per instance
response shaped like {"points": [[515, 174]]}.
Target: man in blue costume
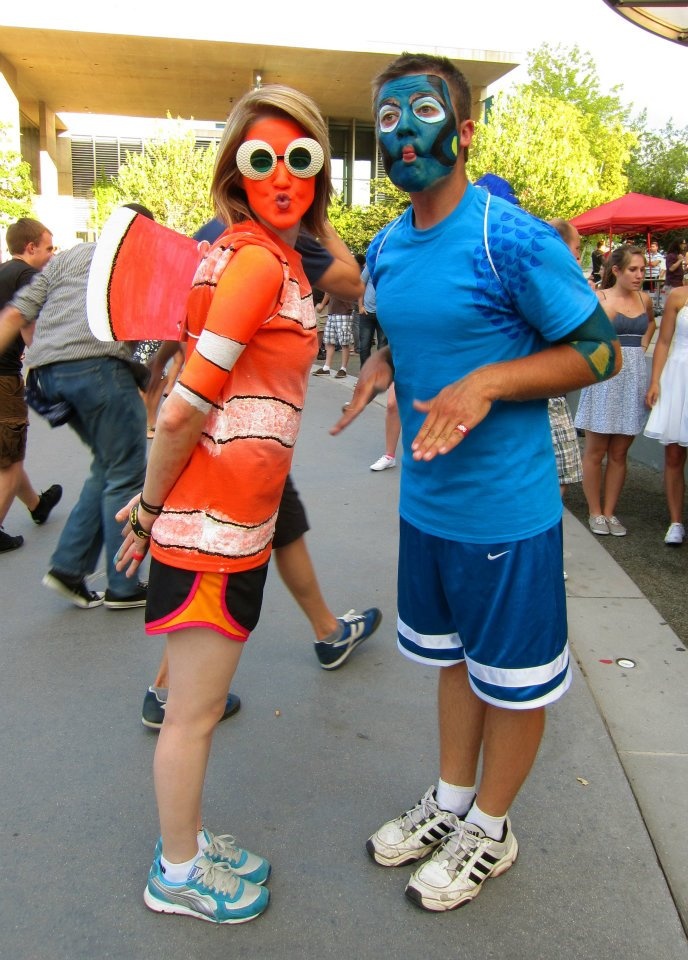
{"points": [[486, 318]]}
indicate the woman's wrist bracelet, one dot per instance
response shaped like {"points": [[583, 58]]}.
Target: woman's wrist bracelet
{"points": [[155, 511], [136, 528]]}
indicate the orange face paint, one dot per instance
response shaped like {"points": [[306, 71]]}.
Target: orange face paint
{"points": [[281, 199]]}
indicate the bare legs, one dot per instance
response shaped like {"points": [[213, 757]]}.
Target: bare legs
{"points": [[14, 482], [202, 663], [392, 423], [296, 570], [509, 738], [607, 489], [330, 350], [674, 480]]}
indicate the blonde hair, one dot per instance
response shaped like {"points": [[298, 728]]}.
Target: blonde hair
{"points": [[276, 100]]}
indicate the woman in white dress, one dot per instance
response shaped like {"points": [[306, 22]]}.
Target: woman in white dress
{"points": [[668, 397], [613, 413]]}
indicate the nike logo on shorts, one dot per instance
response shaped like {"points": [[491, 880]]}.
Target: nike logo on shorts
{"points": [[495, 556]]}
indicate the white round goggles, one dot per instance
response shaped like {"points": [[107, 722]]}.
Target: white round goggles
{"points": [[257, 160]]}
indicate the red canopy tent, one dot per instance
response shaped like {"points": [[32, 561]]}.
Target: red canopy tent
{"points": [[633, 213]]}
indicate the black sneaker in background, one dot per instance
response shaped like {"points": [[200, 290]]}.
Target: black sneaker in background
{"points": [[73, 589], [8, 542], [47, 500], [135, 599], [155, 701]]}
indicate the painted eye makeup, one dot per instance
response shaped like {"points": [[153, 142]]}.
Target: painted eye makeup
{"points": [[388, 117], [429, 110], [257, 160]]}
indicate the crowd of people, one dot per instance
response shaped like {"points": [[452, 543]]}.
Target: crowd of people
{"points": [[503, 322]]}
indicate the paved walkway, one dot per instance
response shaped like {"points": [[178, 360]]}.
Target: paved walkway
{"points": [[330, 756]]}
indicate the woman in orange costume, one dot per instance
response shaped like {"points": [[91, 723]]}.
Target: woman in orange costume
{"points": [[222, 450]]}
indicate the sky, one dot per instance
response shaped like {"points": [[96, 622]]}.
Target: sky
{"points": [[651, 70]]}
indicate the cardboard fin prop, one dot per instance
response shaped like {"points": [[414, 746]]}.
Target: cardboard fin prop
{"points": [[140, 279]]}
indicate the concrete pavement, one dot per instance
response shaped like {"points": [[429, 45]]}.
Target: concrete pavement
{"points": [[314, 762]]}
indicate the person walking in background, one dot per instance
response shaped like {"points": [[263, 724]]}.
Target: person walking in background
{"points": [[392, 433], [338, 335], [31, 246], [667, 396], [676, 263], [369, 325], [98, 382], [613, 413], [598, 258]]}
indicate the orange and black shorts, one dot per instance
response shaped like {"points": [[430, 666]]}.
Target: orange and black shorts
{"points": [[226, 602]]}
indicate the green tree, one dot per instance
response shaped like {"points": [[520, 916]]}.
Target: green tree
{"points": [[659, 166], [540, 146], [358, 225], [172, 178], [16, 188], [569, 75], [561, 141]]}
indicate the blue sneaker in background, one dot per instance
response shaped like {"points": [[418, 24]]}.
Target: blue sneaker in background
{"points": [[356, 627]]}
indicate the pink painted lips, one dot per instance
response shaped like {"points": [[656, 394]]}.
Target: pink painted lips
{"points": [[408, 154]]}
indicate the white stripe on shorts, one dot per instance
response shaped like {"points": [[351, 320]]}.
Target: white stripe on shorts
{"points": [[519, 677], [429, 641], [550, 697]]}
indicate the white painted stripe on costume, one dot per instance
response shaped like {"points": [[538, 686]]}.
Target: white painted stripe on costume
{"points": [[192, 398], [550, 697], [218, 535], [429, 641], [519, 677], [268, 418], [222, 351]]}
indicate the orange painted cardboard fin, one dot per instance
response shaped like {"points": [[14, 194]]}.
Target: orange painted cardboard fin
{"points": [[140, 279]]}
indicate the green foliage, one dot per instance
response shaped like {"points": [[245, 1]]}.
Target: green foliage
{"points": [[16, 188], [659, 166], [172, 178], [541, 146], [358, 225], [559, 140], [570, 74]]}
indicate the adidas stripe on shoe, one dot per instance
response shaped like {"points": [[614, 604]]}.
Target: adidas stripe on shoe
{"points": [[413, 835], [458, 868]]}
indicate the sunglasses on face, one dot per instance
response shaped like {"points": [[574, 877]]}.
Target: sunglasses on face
{"points": [[257, 160]]}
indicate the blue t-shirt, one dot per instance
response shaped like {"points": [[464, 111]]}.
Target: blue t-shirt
{"points": [[449, 304]]}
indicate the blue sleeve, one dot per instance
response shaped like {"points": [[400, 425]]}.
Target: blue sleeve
{"points": [[539, 273]]}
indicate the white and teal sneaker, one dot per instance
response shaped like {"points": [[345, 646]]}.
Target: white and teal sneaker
{"points": [[213, 892], [223, 849]]}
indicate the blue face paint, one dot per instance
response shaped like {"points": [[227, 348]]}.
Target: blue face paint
{"points": [[417, 130]]}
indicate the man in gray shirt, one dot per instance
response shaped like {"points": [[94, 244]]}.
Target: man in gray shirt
{"points": [[97, 381]]}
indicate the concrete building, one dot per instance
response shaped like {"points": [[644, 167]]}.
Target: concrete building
{"points": [[62, 70]]}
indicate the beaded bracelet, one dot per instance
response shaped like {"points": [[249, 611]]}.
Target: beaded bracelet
{"points": [[155, 511], [135, 523]]}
